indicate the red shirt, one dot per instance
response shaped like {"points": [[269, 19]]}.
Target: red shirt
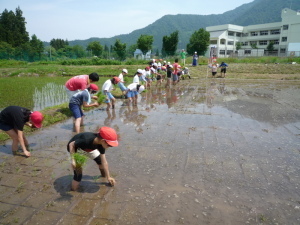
{"points": [[175, 68], [79, 82]]}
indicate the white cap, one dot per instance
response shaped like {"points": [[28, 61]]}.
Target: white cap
{"points": [[141, 89], [169, 63], [170, 66], [125, 71], [154, 64], [139, 71]]}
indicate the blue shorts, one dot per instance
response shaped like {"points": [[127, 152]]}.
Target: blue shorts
{"points": [[76, 110], [174, 77], [131, 94], [110, 96], [122, 86], [5, 127]]}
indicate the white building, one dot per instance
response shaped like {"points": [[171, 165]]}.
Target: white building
{"points": [[285, 36], [138, 54]]}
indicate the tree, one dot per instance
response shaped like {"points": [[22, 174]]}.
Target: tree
{"points": [[170, 43], [199, 42], [270, 46], [59, 43], [238, 45], [253, 45], [6, 50], [36, 48], [12, 28], [79, 51], [106, 52], [120, 49], [95, 47], [144, 43], [131, 49]]}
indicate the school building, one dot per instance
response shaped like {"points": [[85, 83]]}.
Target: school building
{"points": [[254, 39]]}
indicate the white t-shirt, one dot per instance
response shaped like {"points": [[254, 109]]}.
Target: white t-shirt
{"points": [[136, 79], [107, 86], [121, 77], [132, 87], [147, 73]]}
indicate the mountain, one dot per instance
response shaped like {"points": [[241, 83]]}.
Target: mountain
{"points": [[256, 12]]}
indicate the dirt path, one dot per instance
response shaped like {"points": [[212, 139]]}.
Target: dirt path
{"points": [[207, 152]]}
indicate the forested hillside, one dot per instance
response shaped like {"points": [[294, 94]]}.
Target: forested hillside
{"points": [[256, 12]]}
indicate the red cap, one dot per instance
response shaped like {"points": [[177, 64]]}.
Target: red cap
{"points": [[94, 87], [109, 135], [36, 118], [117, 79]]}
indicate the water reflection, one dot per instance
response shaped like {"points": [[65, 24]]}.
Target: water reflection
{"points": [[130, 115], [50, 95]]}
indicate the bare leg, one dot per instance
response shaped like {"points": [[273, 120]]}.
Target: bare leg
{"points": [[75, 185], [77, 125], [15, 141]]}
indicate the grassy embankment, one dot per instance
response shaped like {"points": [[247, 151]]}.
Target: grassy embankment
{"points": [[245, 68]]}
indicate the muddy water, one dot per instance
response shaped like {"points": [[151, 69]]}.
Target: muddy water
{"points": [[207, 152]]}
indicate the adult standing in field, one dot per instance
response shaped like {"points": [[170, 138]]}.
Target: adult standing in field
{"points": [[223, 67], [12, 121], [80, 83], [95, 145], [183, 56], [195, 59], [107, 87], [82, 98]]}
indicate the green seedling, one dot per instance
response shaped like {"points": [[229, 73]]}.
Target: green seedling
{"points": [[80, 159], [20, 186]]}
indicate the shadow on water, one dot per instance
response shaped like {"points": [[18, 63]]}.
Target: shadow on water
{"points": [[89, 184]]}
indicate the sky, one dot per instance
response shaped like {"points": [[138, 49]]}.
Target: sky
{"points": [[82, 19]]}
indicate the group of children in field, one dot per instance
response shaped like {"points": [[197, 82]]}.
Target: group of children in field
{"points": [[214, 68], [81, 91]]}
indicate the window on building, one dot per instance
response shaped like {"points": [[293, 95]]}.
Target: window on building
{"points": [[264, 32], [222, 52], [253, 42], [222, 41], [245, 43], [275, 31], [263, 42], [230, 33], [254, 33], [244, 34], [230, 42], [238, 34], [285, 27], [229, 52], [284, 39], [282, 50], [276, 42], [247, 51], [213, 42]]}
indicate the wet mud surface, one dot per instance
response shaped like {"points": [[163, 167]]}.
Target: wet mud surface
{"points": [[205, 152]]}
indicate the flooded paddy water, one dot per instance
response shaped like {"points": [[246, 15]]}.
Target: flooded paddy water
{"points": [[209, 151]]}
